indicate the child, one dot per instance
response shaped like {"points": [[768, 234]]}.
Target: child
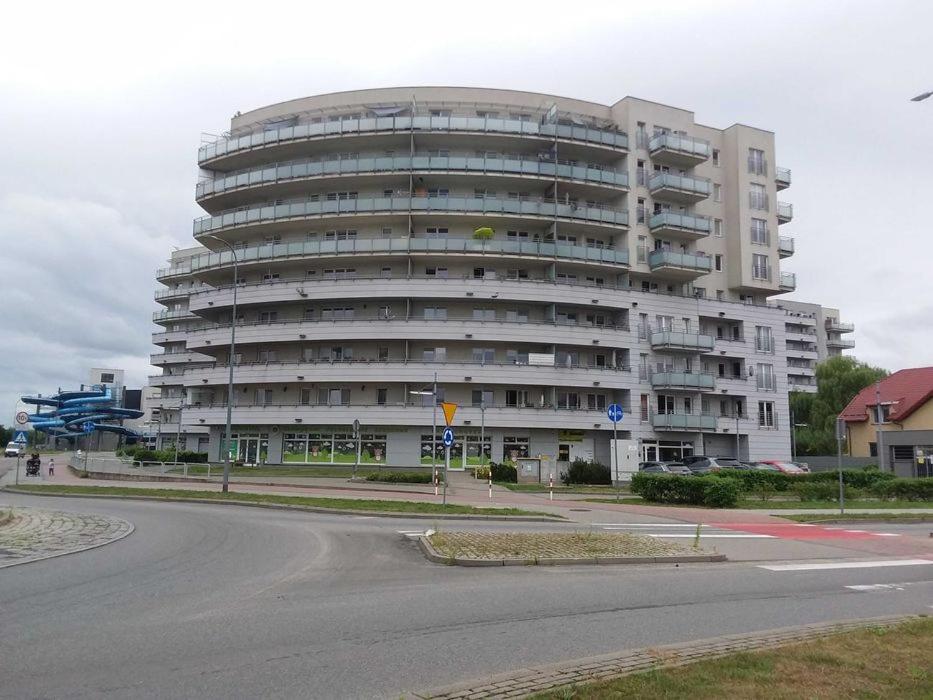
{"points": [[51, 468]]}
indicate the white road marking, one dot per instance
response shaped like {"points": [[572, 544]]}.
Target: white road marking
{"points": [[877, 587], [411, 533], [887, 534], [854, 531], [847, 565], [707, 537], [608, 525]]}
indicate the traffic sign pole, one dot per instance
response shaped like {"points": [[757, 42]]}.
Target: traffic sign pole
{"points": [[448, 438], [615, 414]]}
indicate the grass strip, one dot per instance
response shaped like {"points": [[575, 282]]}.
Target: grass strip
{"points": [[564, 545], [354, 504], [791, 505], [877, 662], [574, 488], [870, 517]]}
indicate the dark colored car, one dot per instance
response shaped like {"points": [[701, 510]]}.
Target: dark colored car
{"points": [[664, 468]]}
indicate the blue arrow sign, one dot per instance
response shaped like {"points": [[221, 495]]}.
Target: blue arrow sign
{"points": [[448, 437], [19, 437], [88, 427], [614, 412]]}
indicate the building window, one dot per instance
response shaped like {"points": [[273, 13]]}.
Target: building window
{"points": [[435, 313], [758, 197], [757, 164], [717, 259], [484, 356], [106, 377], [382, 395], [764, 342], [716, 157], [514, 447], [484, 314], [482, 398], [717, 192], [717, 228], [434, 355], [440, 272], [759, 232], [766, 414], [760, 268], [765, 375]]}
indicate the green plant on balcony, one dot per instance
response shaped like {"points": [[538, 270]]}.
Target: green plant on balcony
{"points": [[484, 233]]}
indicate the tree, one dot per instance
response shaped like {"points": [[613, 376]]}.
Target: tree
{"points": [[838, 380], [6, 434]]}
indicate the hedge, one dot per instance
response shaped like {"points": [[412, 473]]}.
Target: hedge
{"points": [[504, 472], [423, 477], [688, 490], [582, 471], [143, 454]]}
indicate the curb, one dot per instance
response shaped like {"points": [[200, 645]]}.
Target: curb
{"points": [[300, 508], [130, 531], [433, 555], [536, 679]]}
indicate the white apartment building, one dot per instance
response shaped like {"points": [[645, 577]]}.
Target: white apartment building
{"points": [[542, 257], [814, 333]]}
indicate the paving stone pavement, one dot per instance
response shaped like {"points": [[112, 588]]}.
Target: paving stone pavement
{"points": [[37, 533], [530, 681]]}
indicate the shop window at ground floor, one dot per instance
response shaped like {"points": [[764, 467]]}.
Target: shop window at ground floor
{"points": [[514, 447], [468, 450], [665, 450], [249, 448], [327, 447]]}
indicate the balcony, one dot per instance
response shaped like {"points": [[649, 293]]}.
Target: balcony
{"points": [[785, 212], [172, 315], [679, 188], [840, 343], [688, 381], [680, 226], [788, 282], [294, 136], [679, 266], [169, 358], [678, 340], [678, 149], [526, 167], [180, 293], [683, 421], [480, 208], [782, 178], [835, 326], [167, 379], [785, 246]]}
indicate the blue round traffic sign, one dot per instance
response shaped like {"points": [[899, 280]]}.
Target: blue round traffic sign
{"points": [[614, 412], [88, 427], [448, 437]]}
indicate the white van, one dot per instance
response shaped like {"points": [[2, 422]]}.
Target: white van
{"points": [[12, 450]]}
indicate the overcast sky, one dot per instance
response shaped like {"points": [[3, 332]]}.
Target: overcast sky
{"points": [[102, 106]]}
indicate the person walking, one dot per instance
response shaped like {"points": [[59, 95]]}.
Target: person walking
{"points": [[51, 467]]}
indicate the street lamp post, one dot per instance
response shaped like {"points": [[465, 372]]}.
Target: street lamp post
{"points": [[227, 433], [433, 395]]}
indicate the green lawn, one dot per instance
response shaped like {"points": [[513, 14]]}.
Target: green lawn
{"points": [[574, 488], [872, 663], [756, 504], [310, 501], [869, 517]]}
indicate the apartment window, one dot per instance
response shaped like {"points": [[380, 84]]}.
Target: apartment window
{"points": [[485, 114], [759, 232], [106, 377], [267, 356], [717, 228], [765, 375], [484, 314], [516, 398], [764, 342], [337, 313], [484, 356], [761, 269], [516, 357], [716, 157], [340, 273], [720, 295], [263, 397], [268, 240], [756, 162], [596, 319], [439, 153], [596, 281], [340, 196], [596, 402], [480, 398], [268, 316], [304, 397], [270, 276], [595, 243], [438, 192], [565, 277], [382, 396], [717, 192], [333, 397], [717, 262], [383, 354], [434, 355], [516, 316], [386, 273], [568, 399], [386, 231], [435, 313], [440, 112], [436, 231], [517, 274], [766, 414], [640, 210], [758, 197], [699, 292], [522, 236], [440, 272]]}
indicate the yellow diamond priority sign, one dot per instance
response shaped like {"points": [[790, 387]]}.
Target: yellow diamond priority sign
{"points": [[449, 410]]}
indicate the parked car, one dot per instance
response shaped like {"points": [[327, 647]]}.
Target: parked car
{"points": [[764, 467], [803, 465], [12, 450], [664, 468], [786, 467], [705, 465]]}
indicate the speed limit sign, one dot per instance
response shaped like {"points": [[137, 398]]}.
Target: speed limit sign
{"points": [[22, 417]]}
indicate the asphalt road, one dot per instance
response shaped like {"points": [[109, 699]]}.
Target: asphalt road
{"points": [[230, 602]]}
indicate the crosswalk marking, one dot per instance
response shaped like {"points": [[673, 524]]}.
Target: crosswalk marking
{"points": [[705, 536], [864, 588], [846, 565]]}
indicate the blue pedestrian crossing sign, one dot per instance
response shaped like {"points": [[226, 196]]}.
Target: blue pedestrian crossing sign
{"points": [[88, 427], [614, 412], [19, 437], [448, 437]]}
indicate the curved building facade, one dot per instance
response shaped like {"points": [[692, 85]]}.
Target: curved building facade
{"points": [[542, 257]]}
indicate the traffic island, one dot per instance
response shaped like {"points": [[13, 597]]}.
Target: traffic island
{"points": [[555, 548]]}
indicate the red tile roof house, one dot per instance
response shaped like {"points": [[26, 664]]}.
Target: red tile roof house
{"points": [[907, 422]]}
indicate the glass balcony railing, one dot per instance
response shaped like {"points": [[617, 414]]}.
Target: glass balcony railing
{"points": [[686, 222], [785, 245], [480, 206], [401, 246], [683, 421], [685, 261], [169, 315], [680, 143], [788, 280], [836, 326], [782, 177], [683, 183], [407, 124], [282, 172], [683, 380], [840, 343], [682, 340], [785, 211]]}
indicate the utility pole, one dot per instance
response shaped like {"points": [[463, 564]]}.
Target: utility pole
{"points": [[879, 419]]}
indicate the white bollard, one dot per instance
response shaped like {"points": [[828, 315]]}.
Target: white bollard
{"points": [[550, 485], [435, 483], [490, 482]]}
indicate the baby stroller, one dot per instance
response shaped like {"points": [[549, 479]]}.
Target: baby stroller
{"points": [[33, 465]]}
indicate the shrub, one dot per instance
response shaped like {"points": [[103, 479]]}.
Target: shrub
{"points": [[816, 491], [687, 490], [721, 493], [858, 478], [904, 489], [582, 471], [757, 481], [504, 472], [422, 477], [143, 454], [482, 472]]}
